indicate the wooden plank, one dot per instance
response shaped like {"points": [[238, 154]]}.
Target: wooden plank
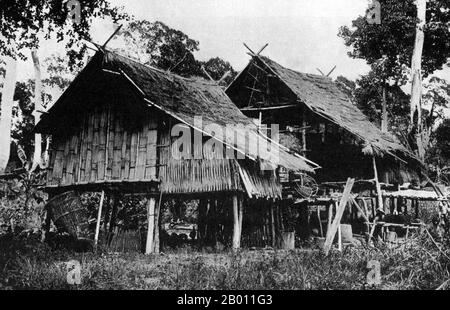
{"points": [[150, 163], [51, 165], [71, 159], [117, 155], [102, 144], [133, 154], [123, 154], [142, 152], [83, 150], [95, 145], [339, 212], [126, 171], [110, 145], [89, 138], [65, 161], [58, 166]]}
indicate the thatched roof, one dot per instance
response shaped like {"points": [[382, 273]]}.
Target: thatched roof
{"points": [[323, 97], [184, 99]]}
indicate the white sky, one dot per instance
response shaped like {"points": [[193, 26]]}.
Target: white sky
{"points": [[302, 34]]}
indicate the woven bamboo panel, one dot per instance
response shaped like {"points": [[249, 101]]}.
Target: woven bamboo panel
{"points": [[104, 148]]}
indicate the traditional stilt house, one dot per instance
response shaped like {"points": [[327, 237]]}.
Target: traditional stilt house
{"points": [[318, 120], [123, 127]]}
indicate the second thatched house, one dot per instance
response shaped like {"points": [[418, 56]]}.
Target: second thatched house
{"points": [[319, 121]]}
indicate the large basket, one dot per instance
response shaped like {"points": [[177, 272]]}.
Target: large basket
{"points": [[69, 215]]}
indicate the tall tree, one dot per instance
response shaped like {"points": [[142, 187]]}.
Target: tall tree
{"points": [[156, 44], [6, 111], [220, 70], [393, 40], [38, 107], [56, 77]]}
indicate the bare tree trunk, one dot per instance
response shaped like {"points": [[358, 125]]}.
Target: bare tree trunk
{"points": [[384, 116], [6, 111], [416, 73], [37, 161]]}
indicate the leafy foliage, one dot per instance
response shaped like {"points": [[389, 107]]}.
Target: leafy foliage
{"points": [[441, 149], [156, 44], [21, 203], [394, 37], [388, 49], [23, 21]]}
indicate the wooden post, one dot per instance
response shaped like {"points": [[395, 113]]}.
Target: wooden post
{"points": [[416, 74], [99, 217], [272, 223], [46, 228], [107, 210], [304, 124], [149, 248], [201, 222], [156, 235], [236, 231], [320, 221], [330, 217], [112, 219], [339, 212], [241, 214], [377, 185]]}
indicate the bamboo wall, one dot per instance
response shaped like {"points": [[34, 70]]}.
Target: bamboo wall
{"points": [[104, 148]]}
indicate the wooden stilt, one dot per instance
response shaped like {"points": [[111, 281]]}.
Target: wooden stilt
{"points": [[207, 222], [201, 222], [151, 225], [114, 205], [236, 231], [272, 223], [99, 217], [304, 124], [157, 228], [47, 223], [377, 185], [107, 211], [320, 221], [241, 214]]}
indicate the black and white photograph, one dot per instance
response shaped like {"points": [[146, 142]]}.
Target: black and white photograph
{"points": [[246, 148]]}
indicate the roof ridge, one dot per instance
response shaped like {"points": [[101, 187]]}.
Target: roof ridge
{"points": [[295, 71], [198, 78]]}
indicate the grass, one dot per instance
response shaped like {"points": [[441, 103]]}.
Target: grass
{"points": [[28, 264]]}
